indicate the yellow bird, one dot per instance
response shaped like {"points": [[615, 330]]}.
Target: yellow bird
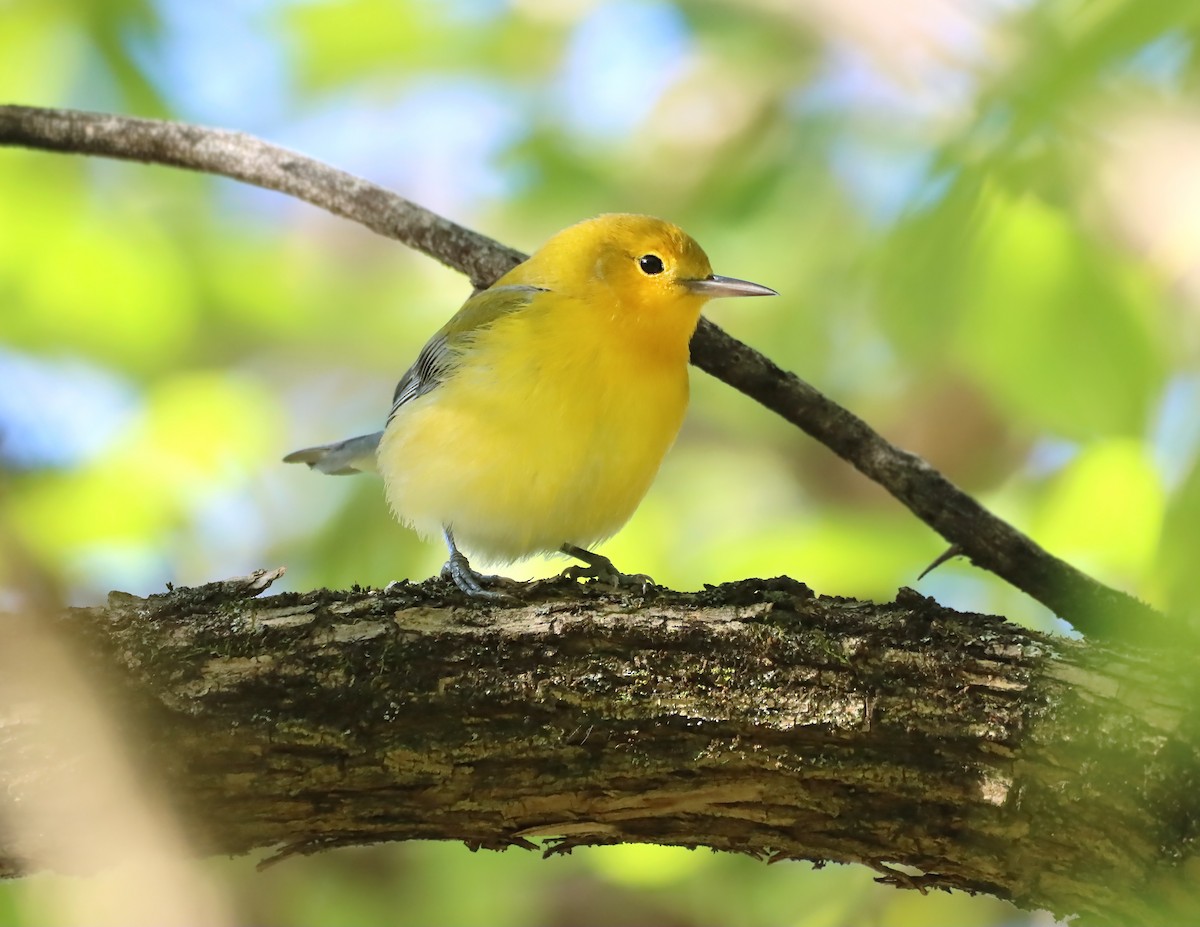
{"points": [[536, 418]]}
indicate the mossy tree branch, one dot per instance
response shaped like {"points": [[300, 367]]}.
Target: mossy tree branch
{"points": [[752, 717]]}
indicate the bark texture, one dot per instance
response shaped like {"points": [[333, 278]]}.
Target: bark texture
{"points": [[753, 717]]}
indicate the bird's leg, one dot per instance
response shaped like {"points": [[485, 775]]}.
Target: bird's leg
{"points": [[458, 569], [601, 569]]}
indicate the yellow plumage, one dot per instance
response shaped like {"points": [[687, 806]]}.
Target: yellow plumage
{"points": [[538, 416]]}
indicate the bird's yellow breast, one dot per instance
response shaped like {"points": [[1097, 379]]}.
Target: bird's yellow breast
{"points": [[550, 431]]}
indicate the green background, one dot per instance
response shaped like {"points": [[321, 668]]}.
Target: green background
{"points": [[983, 218]]}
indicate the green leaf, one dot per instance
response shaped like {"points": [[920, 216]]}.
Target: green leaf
{"points": [[1059, 333]]}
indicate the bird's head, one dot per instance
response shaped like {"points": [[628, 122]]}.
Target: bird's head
{"points": [[644, 269]]}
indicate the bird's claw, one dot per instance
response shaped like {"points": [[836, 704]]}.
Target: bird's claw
{"points": [[637, 581], [601, 569], [459, 571]]}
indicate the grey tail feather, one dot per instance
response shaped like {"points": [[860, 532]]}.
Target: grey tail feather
{"points": [[354, 455]]}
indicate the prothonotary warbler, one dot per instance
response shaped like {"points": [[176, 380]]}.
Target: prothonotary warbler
{"points": [[536, 418]]}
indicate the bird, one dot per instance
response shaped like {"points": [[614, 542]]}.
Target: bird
{"points": [[536, 418]]}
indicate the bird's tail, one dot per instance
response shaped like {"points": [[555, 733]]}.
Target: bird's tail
{"points": [[354, 455]]}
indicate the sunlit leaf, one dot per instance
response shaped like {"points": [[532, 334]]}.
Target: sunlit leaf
{"points": [[1105, 510], [1056, 331]]}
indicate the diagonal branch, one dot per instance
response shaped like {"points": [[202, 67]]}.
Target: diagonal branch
{"points": [[752, 717], [1092, 607], [990, 542]]}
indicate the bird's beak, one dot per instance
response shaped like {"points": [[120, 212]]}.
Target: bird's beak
{"points": [[714, 286]]}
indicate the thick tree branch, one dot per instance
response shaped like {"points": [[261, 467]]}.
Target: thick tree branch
{"points": [[991, 543], [753, 717]]}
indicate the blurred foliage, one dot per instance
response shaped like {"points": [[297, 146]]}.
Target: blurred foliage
{"points": [[959, 204]]}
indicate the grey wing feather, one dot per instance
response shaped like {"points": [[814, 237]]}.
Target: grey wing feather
{"points": [[430, 368], [441, 353]]}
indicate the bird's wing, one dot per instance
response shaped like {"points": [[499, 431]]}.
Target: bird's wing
{"points": [[443, 352]]}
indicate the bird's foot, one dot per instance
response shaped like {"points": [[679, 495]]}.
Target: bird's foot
{"points": [[473, 583], [601, 569]]}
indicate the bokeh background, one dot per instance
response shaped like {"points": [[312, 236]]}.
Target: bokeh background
{"points": [[983, 217]]}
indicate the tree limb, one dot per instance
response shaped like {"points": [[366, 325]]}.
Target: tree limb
{"points": [[991, 543], [752, 717]]}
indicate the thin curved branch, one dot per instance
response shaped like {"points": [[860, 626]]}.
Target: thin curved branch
{"points": [[990, 542]]}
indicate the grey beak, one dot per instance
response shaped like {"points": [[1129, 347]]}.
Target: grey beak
{"points": [[714, 286]]}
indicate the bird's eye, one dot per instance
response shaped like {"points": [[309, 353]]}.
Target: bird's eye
{"points": [[650, 264]]}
